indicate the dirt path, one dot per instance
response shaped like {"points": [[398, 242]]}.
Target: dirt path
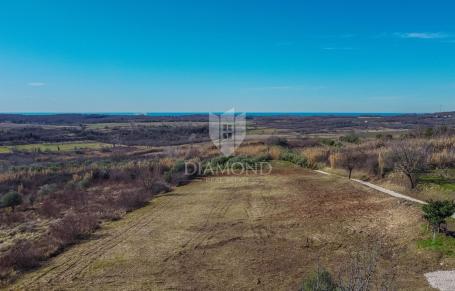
{"points": [[263, 232], [380, 189]]}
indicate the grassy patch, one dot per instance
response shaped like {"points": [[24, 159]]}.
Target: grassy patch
{"points": [[295, 158], [433, 179], [443, 244], [4, 150], [108, 263]]}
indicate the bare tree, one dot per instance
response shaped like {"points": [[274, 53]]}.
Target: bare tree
{"points": [[115, 140], [359, 272], [410, 160], [352, 158], [152, 178], [362, 272]]}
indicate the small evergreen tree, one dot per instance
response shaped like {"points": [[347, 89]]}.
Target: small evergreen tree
{"points": [[11, 199], [436, 213], [321, 280]]}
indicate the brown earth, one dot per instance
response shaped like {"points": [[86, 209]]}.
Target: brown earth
{"points": [[243, 233]]}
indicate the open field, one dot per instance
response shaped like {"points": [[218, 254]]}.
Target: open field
{"points": [[255, 233], [54, 147]]}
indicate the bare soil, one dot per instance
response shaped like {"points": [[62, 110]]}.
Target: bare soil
{"points": [[243, 233]]}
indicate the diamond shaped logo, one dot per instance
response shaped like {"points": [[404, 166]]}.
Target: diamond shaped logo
{"points": [[227, 130]]}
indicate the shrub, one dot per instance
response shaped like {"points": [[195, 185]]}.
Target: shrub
{"points": [[331, 142], [444, 158], [321, 280], [84, 183], [11, 199], [350, 138], [101, 174], [193, 152], [47, 189], [152, 179], [294, 158], [73, 227], [251, 149], [22, 256], [106, 149], [316, 156], [385, 163], [274, 152], [436, 213], [130, 200], [49, 209], [277, 141], [11, 218]]}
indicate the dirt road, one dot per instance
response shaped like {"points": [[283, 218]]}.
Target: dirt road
{"points": [[248, 233]]}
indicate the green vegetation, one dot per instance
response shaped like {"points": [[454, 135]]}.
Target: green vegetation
{"points": [[4, 150], [440, 243], [321, 280], [445, 183], [11, 199], [294, 158], [331, 142], [436, 213], [350, 138]]}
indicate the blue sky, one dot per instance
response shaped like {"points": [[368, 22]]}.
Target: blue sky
{"points": [[199, 56]]}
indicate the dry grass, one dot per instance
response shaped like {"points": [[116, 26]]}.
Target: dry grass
{"points": [[261, 232], [316, 155], [252, 150]]}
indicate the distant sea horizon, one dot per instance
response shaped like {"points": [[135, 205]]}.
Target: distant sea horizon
{"points": [[257, 114]]}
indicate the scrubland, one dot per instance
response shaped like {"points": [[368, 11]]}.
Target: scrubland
{"points": [[125, 207]]}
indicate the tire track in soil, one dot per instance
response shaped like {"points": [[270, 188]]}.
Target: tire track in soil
{"points": [[74, 266], [199, 240], [264, 207]]}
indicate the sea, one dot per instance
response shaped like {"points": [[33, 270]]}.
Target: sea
{"points": [[253, 114]]}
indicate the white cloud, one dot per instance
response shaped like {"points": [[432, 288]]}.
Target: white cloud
{"points": [[36, 84], [423, 35]]}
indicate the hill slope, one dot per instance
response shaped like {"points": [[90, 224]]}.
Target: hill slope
{"points": [[257, 232]]}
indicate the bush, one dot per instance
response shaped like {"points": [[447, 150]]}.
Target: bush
{"points": [[22, 256], [436, 213], [350, 138], [193, 152], [316, 155], [101, 174], [294, 158], [152, 179], [11, 199], [132, 200], [331, 142], [321, 280], [47, 189], [106, 149], [277, 141], [73, 227], [8, 219], [49, 209]]}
